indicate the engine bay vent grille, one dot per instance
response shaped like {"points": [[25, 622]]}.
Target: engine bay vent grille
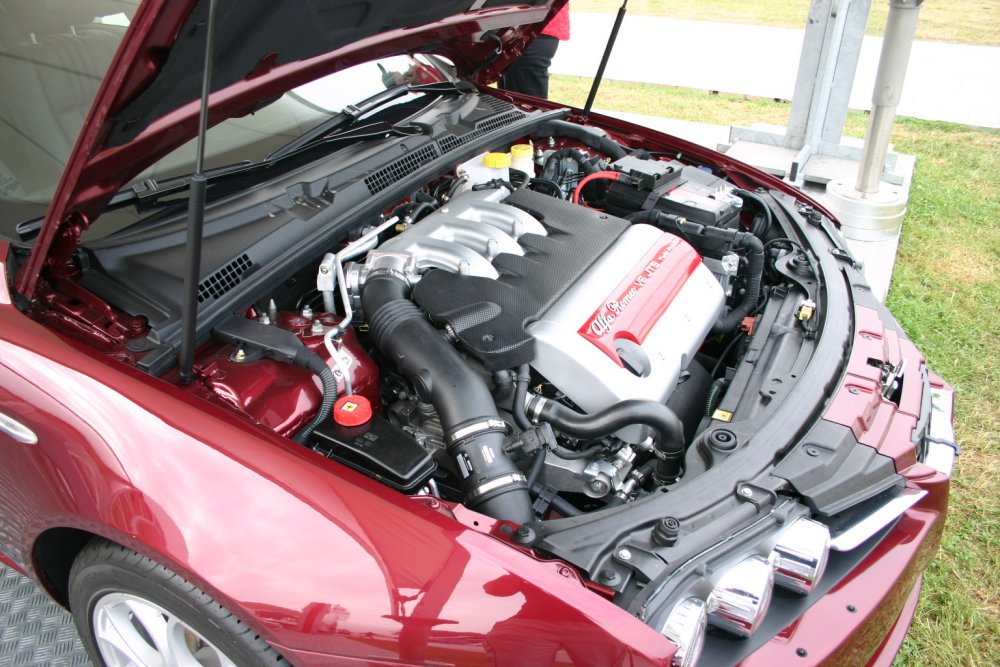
{"points": [[495, 104], [224, 279], [483, 127], [386, 176]]}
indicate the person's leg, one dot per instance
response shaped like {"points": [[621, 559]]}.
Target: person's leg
{"points": [[530, 73]]}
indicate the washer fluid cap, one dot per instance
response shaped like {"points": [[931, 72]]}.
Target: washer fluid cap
{"points": [[521, 150], [352, 410], [496, 160]]}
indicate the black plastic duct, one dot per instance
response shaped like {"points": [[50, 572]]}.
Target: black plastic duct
{"points": [[474, 432]]}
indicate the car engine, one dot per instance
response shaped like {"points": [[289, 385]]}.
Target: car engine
{"points": [[525, 339], [603, 310]]}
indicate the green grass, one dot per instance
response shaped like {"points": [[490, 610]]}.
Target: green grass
{"points": [[946, 293], [963, 21]]}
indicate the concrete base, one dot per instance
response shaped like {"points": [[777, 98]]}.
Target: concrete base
{"points": [[875, 251], [876, 256]]}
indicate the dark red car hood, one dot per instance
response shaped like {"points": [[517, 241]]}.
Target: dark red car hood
{"points": [[147, 104]]}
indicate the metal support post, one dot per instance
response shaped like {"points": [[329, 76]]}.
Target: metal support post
{"points": [[899, 31], [812, 143], [871, 212]]}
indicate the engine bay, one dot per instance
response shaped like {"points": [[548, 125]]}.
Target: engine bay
{"points": [[558, 335], [541, 332]]}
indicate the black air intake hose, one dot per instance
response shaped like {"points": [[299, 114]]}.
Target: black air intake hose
{"points": [[668, 427], [745, 240], [475, 434], [588, 136]]}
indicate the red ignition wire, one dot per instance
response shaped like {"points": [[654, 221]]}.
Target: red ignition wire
{"points": [[596, 176]]}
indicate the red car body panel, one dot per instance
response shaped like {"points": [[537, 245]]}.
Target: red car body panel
{"points": [[308, 552], [855, 622], [305, 523], [303, 549]]}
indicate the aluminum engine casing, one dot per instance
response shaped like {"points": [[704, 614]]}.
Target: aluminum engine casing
{"points": [[611, 338], [622, 324]]}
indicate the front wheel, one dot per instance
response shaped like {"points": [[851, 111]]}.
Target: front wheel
{"points": [[133, 612]]}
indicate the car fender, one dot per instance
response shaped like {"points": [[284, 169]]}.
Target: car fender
{"points": [[312, 555]]}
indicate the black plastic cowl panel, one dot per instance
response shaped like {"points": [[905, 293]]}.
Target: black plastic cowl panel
{"points": [[832, 471]]}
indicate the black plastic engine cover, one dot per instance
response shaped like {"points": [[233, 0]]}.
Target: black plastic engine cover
{"points": [[489, 316]]}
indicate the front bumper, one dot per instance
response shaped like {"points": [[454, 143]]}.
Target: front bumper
{"points": [[863, 618]]}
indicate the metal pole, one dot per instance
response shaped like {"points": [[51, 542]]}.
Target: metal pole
{"points": [[604, 60], [899, 30], [196, 218]]}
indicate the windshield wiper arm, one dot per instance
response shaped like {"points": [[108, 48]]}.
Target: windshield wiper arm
{"points": [[149, 190], [377, 130], [352, 112], [141, 194]]}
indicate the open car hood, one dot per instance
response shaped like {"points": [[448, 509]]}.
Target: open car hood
{"points": [[148, 103]]}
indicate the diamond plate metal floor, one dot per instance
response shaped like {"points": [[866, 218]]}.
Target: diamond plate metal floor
{"points": [[33, 629]]}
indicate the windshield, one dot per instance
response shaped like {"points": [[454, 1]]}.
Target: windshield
{"points": [[53, 56]]}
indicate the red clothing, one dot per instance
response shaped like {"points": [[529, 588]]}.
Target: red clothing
{"points": [[558, 27]]}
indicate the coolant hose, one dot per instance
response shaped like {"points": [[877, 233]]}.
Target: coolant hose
{"points": [[750, 243], [474, 432], [668, 426], [762, 205], [588, 136], [520, 394], [578, 156], [535, 471], [755, 273]]}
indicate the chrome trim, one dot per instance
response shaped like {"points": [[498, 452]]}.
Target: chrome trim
{"points": [[17, 430], [862, 529], [800, 555], [686, 626], [940, 456], [494, 484], [475, 429], [941, 446], [741, 598]]}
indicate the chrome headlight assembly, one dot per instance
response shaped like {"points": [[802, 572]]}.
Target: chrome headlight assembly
{"points": [[686, 626], [799, 556], [741, 598]]}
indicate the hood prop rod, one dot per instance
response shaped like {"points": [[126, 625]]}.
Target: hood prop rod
{"points": [[604, 59], [196, 218]]}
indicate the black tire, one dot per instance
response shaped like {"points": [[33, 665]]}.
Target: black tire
{"points": [[103, 568]]}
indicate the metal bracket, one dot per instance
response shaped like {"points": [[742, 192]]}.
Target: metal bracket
{"points": [[643, 562], [840, 253], [757, 495]]}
